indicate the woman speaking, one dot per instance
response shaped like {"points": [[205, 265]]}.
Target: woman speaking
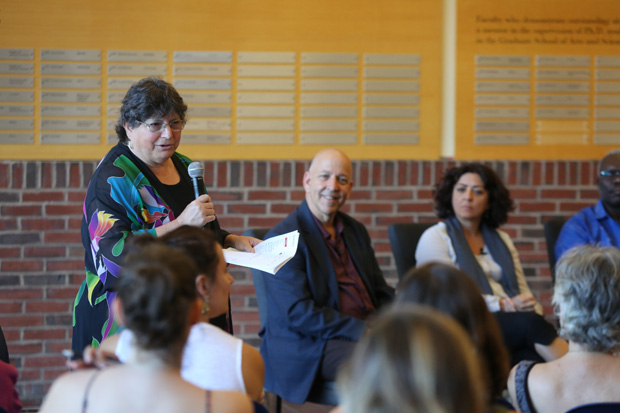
{"points": [[141, 185]]}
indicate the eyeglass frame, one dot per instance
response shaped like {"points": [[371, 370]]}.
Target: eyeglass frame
{"points": [[163, 125], [613, 173]]}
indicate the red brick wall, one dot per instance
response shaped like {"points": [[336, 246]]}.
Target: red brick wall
{"points": [[41, 255]]}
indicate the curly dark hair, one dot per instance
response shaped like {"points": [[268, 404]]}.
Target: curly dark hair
{"points": [[150, 97], [500, 203], [452, 292]]}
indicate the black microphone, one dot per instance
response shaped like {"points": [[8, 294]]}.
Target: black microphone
{"points": [[196, 171]]}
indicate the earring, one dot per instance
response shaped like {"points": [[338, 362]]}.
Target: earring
{"points": [[205, 306]]}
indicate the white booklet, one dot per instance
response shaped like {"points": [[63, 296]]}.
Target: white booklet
{"points": [[270, 254]]}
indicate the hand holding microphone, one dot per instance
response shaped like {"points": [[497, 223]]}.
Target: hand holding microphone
{"points": [[201, 211]]}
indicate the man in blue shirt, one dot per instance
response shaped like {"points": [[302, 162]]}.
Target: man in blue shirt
{"points": [[598, 224]]}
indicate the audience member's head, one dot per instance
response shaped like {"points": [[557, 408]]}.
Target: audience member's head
{"points": [[499, 201], [587, 297], [158, 297], [414, 359], [452, 292]]}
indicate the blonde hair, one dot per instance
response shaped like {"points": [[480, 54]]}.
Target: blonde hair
{"points": [[413, 360]]}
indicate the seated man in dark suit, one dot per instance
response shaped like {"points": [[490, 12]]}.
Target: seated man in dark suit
{"points": [[319, 301]]}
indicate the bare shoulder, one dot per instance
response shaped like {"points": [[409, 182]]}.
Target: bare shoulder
{"points": [[67, 392], [231, 402], [253, 369]]}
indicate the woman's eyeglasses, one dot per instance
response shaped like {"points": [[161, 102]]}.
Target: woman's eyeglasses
{"points": [[158, 126]]}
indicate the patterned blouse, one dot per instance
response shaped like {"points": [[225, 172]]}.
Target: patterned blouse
{"points": [[124, 198]]}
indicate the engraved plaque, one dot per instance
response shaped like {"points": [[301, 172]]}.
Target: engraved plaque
{"points": [[391, 86], [520, 113], [16, 138], [70, 83], [502, 73], [511, 100], [522, 87], [563, 113], [482, 126], [203, 84], [607, 87], [563, 100], [16, 110], [563, 61], [563, 74], [561, 139], [266, 84], [266, 57], [383, 112], [329, 58], [602, 113], [71, 55], [70, 124], [391, 59], [392, 72], [328, 112], [561, 126], [329, 71], [328, 138], [137, 70], [17, 68], [327, 84], [202, 70], [70, 138], [328, 125], [17, 82], [265, 124], [266, 71], [14, 96], [111, 124], [613, 100], [391, 125], [607, 61], [16, 124], [114, 111], [599, 126], [202, 57], [266, 111], [329, 98], [114, 97], [208, 124], [205, 97], [391, 99], [111, 138], [121, 83], [605, 139], [391, 138], [209, 111], [207, 138], [16, 54], [607, 74], [137, 56], [270, 97], [503, 139], [71, 68], [490, 60], [70, 110], [569, 87], [261, 138]]}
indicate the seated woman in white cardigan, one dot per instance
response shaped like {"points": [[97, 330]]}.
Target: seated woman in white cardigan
{"points": [[474, 202]]}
